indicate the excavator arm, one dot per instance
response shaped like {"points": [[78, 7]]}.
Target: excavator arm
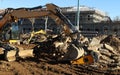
{"points": [[61, 19], [4, 20], [51, 10]]}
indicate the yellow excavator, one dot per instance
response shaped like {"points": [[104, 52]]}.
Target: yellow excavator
{"points": [[52, 11]]}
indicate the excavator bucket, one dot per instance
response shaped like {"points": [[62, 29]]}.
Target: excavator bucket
{"points": [[83, 60]]}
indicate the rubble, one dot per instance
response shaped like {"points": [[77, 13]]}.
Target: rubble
{"points": [[106, 54], [105, 48], [109, 51]]}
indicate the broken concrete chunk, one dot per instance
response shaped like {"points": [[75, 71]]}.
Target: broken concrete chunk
{"points": [[110, 48], [92, 48], [105, 52], [94, 42], [103, 57], [103, 62], [114, 64]]}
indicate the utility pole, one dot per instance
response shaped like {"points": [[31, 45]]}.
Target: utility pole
{"points": [[78, 14]]}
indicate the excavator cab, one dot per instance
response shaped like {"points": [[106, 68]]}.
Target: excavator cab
{"points": [[15, 31], [12, 34], [15, 36]]}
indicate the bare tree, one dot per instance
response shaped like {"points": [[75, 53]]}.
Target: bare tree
{"points": [[117, 18]]}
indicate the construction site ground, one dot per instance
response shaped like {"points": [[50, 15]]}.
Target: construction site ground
{"points": [[31, 66], [47, 66]]}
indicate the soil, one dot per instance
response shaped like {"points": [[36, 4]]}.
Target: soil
{"points": [[32, 66]]}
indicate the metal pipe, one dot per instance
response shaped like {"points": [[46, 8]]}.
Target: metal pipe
{"points": [[78, 15]]}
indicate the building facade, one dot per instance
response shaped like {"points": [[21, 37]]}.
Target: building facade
{"points": [[92, 21]]}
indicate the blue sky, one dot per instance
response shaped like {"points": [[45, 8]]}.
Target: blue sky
{"points": [[109, 6]]}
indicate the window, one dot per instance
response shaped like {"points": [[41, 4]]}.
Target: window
{"points": [[81, 17], [97, 30], [88, 17], [105, 29], [88, 29], [115, 30]]}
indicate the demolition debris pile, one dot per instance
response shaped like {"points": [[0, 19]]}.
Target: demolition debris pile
{"points": [[108, 50], [104, 49]]}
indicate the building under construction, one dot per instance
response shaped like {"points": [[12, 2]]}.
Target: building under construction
{"points": [[92, 22]]}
